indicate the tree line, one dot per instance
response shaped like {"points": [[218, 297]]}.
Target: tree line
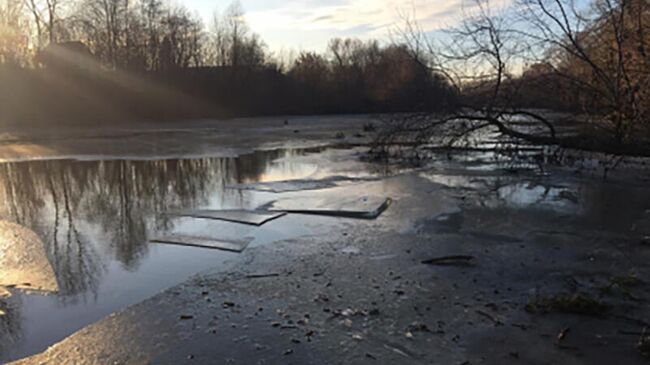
{"points": [[83, 60], [118, 60], [128, 34]]}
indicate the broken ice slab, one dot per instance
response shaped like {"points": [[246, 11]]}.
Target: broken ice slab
{"points": [[351, 207], [4, 293], [252, 217], [204, 242], [286, 186], [23, 261], [289, 185]]}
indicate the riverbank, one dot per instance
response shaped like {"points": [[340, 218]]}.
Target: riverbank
{"points": [[182, 139], [546, 266], [555, 273]]}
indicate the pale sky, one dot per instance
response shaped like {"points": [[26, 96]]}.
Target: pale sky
{"points": [[309, 24]]}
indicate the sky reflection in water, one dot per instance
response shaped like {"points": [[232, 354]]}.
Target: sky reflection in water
{"points": [[94, 218]]}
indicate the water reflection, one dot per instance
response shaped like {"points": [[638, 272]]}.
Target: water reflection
{"points": [[585, 202], [94, 218], [9, 323], [73, 205]]}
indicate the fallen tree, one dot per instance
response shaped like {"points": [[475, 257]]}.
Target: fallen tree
{"points": [[591, 61]]}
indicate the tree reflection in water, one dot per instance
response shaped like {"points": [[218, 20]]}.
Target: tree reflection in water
{"points": [[89, 211], [9, 322]]}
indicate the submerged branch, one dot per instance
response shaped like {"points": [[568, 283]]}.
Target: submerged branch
{"points": [[444, 132]]}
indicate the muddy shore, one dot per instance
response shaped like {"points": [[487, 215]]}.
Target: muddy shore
{"points": [[471, 264]]}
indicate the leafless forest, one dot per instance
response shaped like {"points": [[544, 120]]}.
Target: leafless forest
{"points": [[110, 61], [81, 61]]}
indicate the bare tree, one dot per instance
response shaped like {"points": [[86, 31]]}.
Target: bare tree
{"points": [[218, 44], [150, 14], [598, 52], [233, 43], [14, 39], [47, 19], [103, 25], [601, 53]]}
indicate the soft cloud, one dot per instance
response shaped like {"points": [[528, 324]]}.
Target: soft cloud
{"points": [[307, 24], [343, 15]]}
